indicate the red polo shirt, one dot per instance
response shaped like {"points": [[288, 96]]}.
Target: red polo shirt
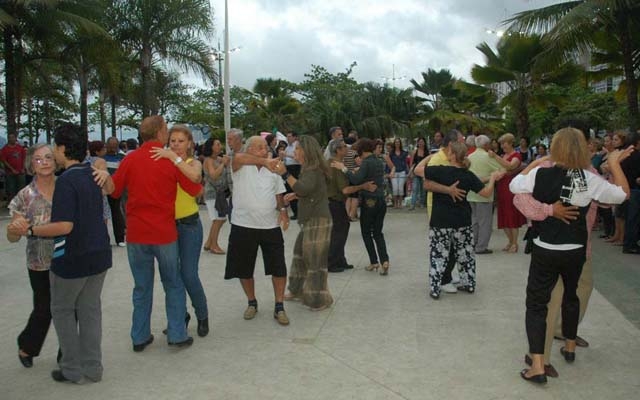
{"points": [[151, 187], [13, 155]]}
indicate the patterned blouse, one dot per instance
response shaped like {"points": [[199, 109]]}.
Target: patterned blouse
{"points": [[35, 208]]}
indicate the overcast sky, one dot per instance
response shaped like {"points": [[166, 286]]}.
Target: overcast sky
{"points": [[282, 38]]}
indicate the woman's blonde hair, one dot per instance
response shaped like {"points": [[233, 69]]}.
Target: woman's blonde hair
{"points": [[508, 138], [569, 149], [622, 135], [459, 151], [187, 132]]}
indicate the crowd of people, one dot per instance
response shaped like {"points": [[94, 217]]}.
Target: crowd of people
{"points": [[260, 184]]}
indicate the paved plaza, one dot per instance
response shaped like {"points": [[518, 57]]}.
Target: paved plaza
{"points": [[383, 338]]}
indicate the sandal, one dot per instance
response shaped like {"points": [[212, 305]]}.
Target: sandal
{"points": [[217, 251], [291, 297]]}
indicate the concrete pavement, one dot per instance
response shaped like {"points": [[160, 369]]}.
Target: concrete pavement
{"points": [[383, 338]]}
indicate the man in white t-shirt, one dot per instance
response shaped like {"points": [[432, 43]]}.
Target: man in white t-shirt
{"points": [[258, 217]]}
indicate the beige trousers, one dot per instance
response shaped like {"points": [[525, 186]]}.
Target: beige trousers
{"points": [[554, 317]]}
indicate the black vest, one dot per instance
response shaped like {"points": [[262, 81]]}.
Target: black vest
{"points": [[553, 184]]}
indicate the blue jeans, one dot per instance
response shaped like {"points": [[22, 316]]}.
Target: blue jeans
{"points": [[189, 243], [632, 220], [417, 194], [141, 257]]}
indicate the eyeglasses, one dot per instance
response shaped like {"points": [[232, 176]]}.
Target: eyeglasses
{"points": [[46, 159]]}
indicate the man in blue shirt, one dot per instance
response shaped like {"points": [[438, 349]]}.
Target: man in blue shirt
{"points": [[80, 261]]}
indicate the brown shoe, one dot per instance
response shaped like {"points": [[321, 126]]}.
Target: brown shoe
{"points": [[281, 317], [250, 312], [549, 370]]}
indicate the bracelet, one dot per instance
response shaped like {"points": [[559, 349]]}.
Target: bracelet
{"points": [[283, 209]]}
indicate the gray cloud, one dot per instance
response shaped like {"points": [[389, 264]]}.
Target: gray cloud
{"points": [[281, 39]]}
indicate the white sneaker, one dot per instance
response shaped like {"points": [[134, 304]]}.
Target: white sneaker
{"points": [[455, 281], [449, 288], [122, 244]]}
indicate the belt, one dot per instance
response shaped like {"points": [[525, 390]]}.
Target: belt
{"points": [[189, 219]]}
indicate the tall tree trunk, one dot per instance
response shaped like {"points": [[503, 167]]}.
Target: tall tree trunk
{"points": [[522, 114], [83, 80], [10, 70], [629, 74], [103, 116], [114, 104], [47, 119], [30, 119], [147, 87]]}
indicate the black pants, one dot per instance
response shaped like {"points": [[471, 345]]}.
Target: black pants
{"points": [[608, 223], [32, 337], [372, 213], [294, 170], [451, 262], [546, 265], [339, 234], [117, 219]]}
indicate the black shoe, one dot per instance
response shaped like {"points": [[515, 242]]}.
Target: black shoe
{"points": [[631, 250], [27, 361], [335, 269], [434, 295], [57, 376], [140, 347], [187, 318], [540, 379], [467, 288], [549, 370], [485, 251], [185, 343], [348, 266], [569, 356], [203, 327]]}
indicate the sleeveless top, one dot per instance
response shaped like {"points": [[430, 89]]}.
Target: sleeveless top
{"points": [[417, 158], [185, 203]]}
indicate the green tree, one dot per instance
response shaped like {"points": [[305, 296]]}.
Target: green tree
{"points": [[164, 32], [574, 27], [29, 30], [516, 64], [274, 103]]}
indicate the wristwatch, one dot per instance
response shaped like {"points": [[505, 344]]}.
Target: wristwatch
{"points": [[178, 160], [283, 209], [30, 231]]}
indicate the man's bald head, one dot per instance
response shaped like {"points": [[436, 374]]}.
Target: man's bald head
{"points": [[257, 146]]}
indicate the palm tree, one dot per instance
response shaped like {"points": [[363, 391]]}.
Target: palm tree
{"points": [[29, 30], [573, 27], [386, 111], [436, 85], [516, 65], [274, 103], [169, 31]]}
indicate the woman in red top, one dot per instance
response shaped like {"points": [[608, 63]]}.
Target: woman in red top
{"points": [[509, 218]]}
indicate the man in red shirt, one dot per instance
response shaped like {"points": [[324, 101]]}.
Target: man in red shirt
{"points": [[152, 234], [12, 156]]}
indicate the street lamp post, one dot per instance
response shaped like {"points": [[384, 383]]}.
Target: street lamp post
{"points": [[227, 106], [393, 78]]}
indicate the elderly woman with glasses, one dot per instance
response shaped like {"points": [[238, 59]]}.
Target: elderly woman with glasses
{"points": [[33, 203]]}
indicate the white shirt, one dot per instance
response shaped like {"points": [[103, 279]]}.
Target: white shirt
{"points": [[596, 189], [254, 197], [289, 153]]}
